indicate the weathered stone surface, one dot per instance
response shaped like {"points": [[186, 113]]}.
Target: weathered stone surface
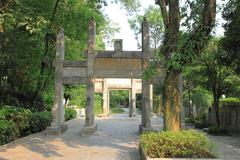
{"points": [[145, 82], [105, 65], [106, 108], [58, 120], [74, 80], [123, 55], [78, 64], [88, 130], [52, 130], [89, 123], [74, 72]]}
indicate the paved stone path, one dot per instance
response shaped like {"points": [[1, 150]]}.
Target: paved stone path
{"points": [[116, 139], [228, 146]]}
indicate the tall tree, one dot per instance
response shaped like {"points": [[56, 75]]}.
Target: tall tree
{"points": [[177, 55], [231, 40], [27, 45], [154, 18]]}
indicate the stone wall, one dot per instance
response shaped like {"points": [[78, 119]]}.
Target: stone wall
{"points": [[229, 118]]}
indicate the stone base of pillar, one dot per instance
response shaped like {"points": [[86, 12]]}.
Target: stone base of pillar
{"points": [[56, 130], [133, 115], [144, 129], [88, 130], [105, 115]]}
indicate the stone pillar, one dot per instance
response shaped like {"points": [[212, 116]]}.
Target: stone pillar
{"points": [[118, 46], [90, 126], [130, 103], [58, 121], [146, 124], [133, 101], [151, 97], [105, 99]]}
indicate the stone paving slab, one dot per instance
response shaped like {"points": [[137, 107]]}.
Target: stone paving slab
{"points": [[114, 140]]}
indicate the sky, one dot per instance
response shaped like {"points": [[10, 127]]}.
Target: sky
{"points": [[119, 16]]}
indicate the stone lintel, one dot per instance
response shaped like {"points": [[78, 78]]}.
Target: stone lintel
{"points": [[124, 54], [88, 130], [74, 80], [78, 64], [56, 130]]}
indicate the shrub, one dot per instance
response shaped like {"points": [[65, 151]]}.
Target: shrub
{"points": [[70, 113], [17, 115], [38, 121], [7, 131], [98, 103], [183, 144], [77, 95], [200, 124], [189, 120], [117, 110], [234, 102], [215, 130]]}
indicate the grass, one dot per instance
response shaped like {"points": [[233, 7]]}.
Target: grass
{"points": [[116, 110]]}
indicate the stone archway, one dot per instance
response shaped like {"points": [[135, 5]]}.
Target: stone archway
{"points": [[102, 65]]}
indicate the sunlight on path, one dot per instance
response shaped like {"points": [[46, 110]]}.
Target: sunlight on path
{"points": [[115, 140]]}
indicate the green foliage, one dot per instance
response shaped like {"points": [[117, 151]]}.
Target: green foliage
{"points": [[70, 113], [116, 110], [17, 122], [215, 130], [188, 120], [38, 121], [230, 102], [200, 124], [26, 65], [182, 144], [17, 115], [203, 99], [77, 95], [154, 18], [7, 131], [98, 103], [231, 41], [118, 97]]}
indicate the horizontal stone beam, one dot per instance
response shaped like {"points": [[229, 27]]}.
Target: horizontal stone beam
{"points": [[74, 64], [74, 72], [123, 54], [74, 80], [117, 73]]}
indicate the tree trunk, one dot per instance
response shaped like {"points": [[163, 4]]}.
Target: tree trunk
{"points": [[172, 102], [216, 108]]}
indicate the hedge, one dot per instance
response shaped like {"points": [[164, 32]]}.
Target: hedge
{"points": [[7, 131], [17, 122], [17, 115], [232, 102], [70, 113], [38, 121], [183, 144]]}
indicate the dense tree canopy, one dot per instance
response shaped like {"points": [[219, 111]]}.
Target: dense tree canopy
{"points": [[231, 41], [28, 40]]}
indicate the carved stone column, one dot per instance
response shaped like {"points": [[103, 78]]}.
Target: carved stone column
{"points": [[90, 126], [133, 96], [58, 122], [146, 124], [105, 99]]}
